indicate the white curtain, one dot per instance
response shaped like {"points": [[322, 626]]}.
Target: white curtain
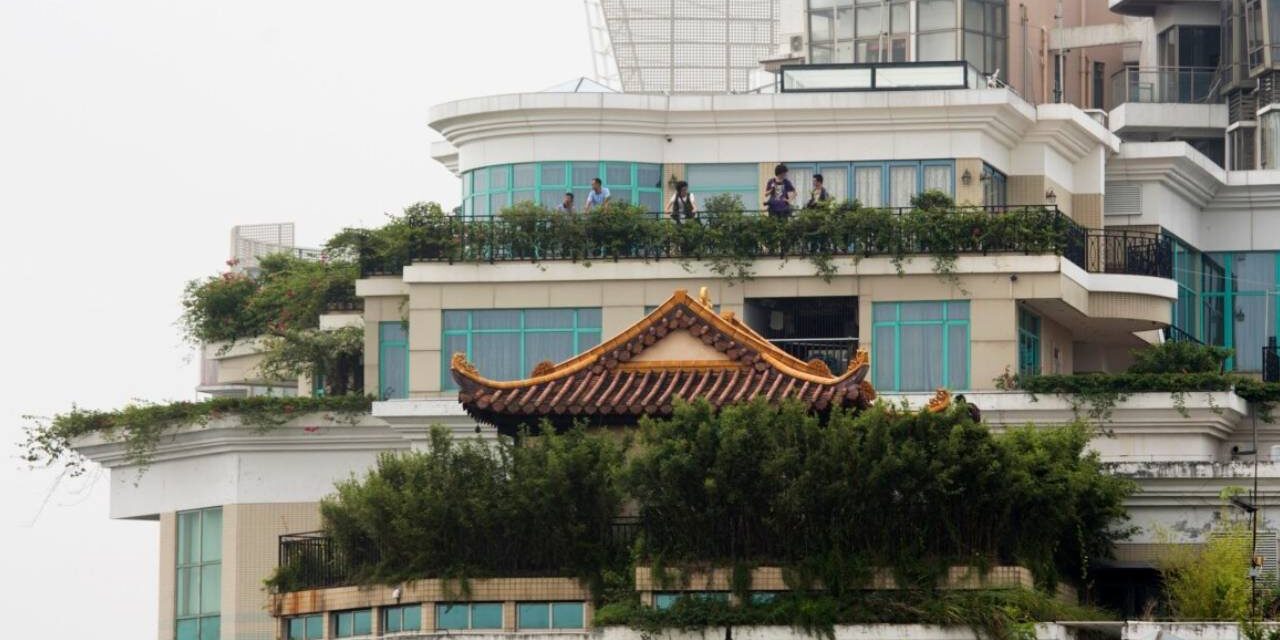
{"points": [[902, 186], [868, 186], [938, 177], [921, 366], [802, 178], [836, 180]]}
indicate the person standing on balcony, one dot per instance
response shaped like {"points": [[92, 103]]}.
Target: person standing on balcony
{"points": [[682, 205], [779, 193], [597, 197], [818, 196], [566, 206]]}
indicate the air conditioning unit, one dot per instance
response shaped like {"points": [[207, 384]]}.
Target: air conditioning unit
{"points": [[797, 44]]}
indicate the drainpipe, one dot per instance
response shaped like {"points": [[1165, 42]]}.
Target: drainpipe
{"points": [[1026, 52], [1044, 68]]}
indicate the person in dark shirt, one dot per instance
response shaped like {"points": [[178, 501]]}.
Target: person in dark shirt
{"points": [[818, 195], [682, 205], [779, 193]]}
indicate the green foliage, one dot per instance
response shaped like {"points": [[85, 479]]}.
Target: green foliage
{"points": [[725, 238], [1180, 357], [999, 615], [1210, 582], [335, 356], [140, 426], [289, 293], [466, 509], [916, 492]]}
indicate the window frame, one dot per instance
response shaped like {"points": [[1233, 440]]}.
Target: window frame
{"points": [[945, 322], [338, 619], [201, 618], [1030, 345], [550, 606], [578, 330], [399, 611], [633, 191], [385, 346], [470, 609], [306, 621]]}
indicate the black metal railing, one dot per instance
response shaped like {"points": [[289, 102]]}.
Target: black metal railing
{"points": [[539, 236], [835, 352], [1271, 361], [1175, 334], [312, 561], [1121, 251]]}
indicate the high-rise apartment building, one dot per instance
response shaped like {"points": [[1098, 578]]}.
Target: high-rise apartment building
{"points": [[1142, 129]]}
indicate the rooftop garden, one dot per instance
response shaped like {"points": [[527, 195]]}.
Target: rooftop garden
{"points": [[831, 500], [728, 238]]}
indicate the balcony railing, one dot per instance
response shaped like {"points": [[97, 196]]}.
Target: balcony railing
{"points": [[835, 352], [542, 236], [1120, 251], [1182, 85], [313, 561]]}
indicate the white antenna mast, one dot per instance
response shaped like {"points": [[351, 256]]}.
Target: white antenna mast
{"points": [[603, 65]]}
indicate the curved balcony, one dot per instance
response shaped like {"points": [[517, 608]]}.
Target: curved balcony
{"points": [[544, 236]]}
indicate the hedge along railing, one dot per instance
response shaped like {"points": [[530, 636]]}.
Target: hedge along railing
{"points": [[729, 241]]}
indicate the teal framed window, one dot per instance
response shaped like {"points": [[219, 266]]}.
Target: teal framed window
{"points": [[488, 190], [403, 618], [475, 615], [920, 346], [550, 615], [1188, 273], [666, 600], [742, 180], [881, 184], [1246, 297], [199, 575], [763, 597], [995, 186], [393, 360], [352, 624], [305, 627], [1028, 343], [506, 344]]}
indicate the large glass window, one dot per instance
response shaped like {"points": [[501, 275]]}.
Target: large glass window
{"points": [[741, 180], [549, 615], [506, 344], [352, 624], [1246, 298], [199, 574], [403, 618], [1028, 343], [488, 190], [305, 627], [920, 346], [663, 601], [869, 182], [393, 360], [995, 186], [986, 25], [475, 615]]}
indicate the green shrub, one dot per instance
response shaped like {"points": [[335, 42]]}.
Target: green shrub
{"points": [[1180, 357], [917, 492], [467, 509]]}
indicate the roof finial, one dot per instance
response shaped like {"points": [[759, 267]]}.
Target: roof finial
{"points": [[704, 296]]}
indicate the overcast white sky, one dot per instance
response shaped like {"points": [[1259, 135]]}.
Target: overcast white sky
{"points": [[133, 135]]}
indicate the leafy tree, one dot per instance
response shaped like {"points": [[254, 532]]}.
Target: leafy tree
{"points": [[1210, 582], [917, 492], [467, 509], [334, 356]]}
